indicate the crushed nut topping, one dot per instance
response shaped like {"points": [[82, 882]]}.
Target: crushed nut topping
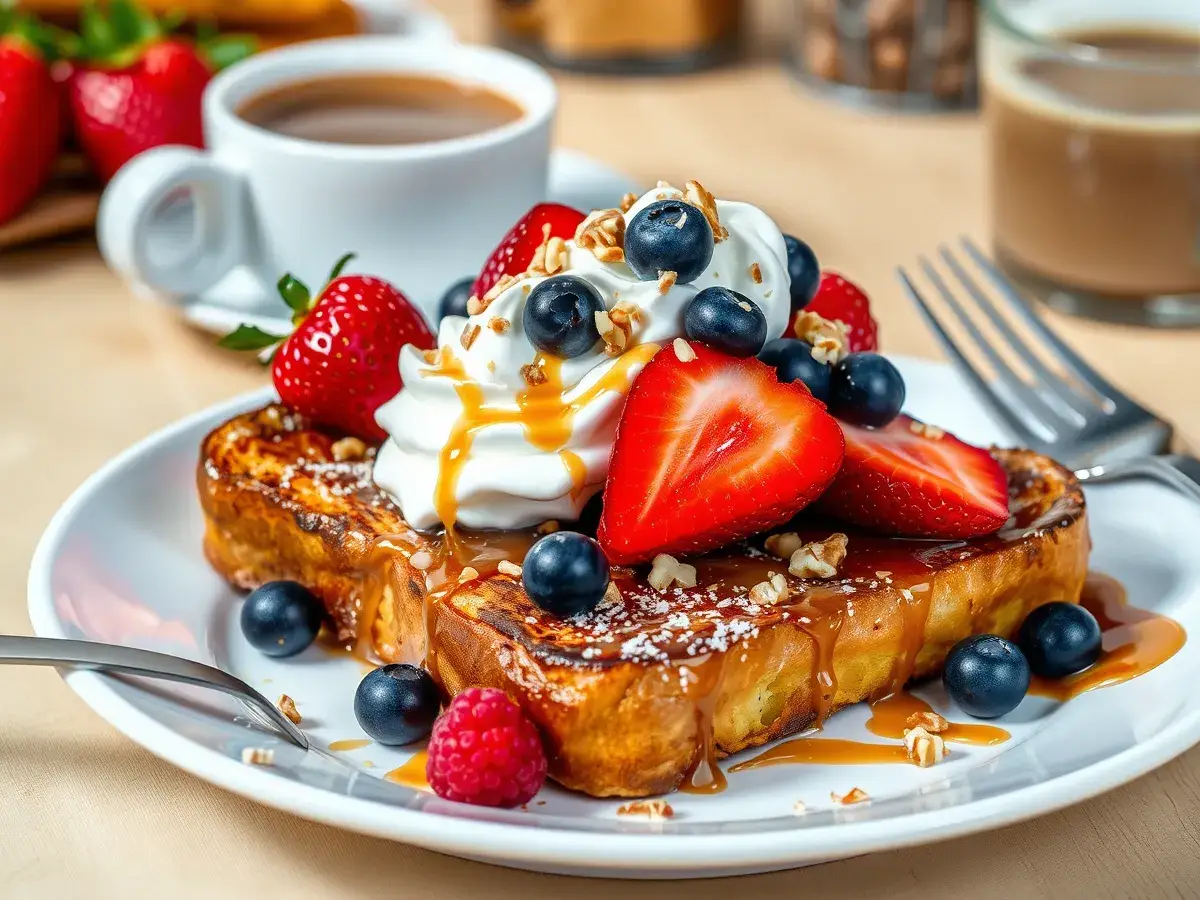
{"points": [[612, 593], [798, 808], [627, 201], [855, 795], [287, 706], [467, 574], [683, 350], [756, 273], [469, 333], [533, 374], [695, 194], [603, 232], [421, 560], [626, 313], [491, 366], [499, 324], [273, 418], [615, 337], [742, 304], [930, 431], [784, 545], [666, 281], [476, 305], [773, 590], [550, 257], [548, 527], [829, 338], [930, 721], [667, 570], [348, 449], [507, 567], [924, 749], [654, 810], [819, 559], [258, 756]]}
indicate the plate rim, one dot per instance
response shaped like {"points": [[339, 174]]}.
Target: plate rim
{"points": [[594, 852]]}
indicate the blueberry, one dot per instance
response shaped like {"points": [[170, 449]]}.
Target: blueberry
{"points": [[793, 361], [397, 704], [986, 675], [281, 618], [669, 236], [726, 321], [1060, 639], [866, 389], [454, 301], [560, 316], [565, 573], [804, 270]]}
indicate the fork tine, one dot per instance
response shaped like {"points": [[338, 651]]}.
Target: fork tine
{"points": [[1066, 355], [998, 403], [1076, 404], [1021, 391]]}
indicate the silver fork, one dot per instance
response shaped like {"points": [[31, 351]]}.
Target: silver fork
{"points": [[1059, 405]]}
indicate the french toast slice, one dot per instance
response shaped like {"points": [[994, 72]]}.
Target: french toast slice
{"points": [[639, 696]]}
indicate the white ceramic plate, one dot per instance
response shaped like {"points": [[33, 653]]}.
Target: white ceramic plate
{"points": [[122, 562]]}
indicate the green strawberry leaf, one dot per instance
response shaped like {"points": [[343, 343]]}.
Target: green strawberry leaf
{"points": [[97, 32], [296, 295], [131, 24], [339, 265], [249, 337], [222, 52]]}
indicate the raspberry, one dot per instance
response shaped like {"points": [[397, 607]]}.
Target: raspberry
{"points": [[840, 298], [485, 751]]}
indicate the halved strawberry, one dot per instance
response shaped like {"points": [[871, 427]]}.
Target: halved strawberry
{"points": [[907, 479], [515, 252], [842, 299], [711, 450]]}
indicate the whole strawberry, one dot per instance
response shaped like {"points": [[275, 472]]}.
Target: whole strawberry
{"points": [[135, 86], [342, 361], [30, 112], [842, 299]]}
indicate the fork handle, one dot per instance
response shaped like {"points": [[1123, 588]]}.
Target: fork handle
{"points": [[38, 651], [1180, 472]]}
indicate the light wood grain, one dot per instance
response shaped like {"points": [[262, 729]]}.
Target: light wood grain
{"points": [[86, 369]]}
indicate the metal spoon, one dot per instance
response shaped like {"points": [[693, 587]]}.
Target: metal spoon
{"points": [[35, 651]]}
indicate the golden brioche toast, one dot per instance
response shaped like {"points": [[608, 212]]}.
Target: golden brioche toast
{"points": [[641, 695]]}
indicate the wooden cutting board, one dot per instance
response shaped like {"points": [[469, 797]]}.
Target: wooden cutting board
{"points": [[68, 205]]}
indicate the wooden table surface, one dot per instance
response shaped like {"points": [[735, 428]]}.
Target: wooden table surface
{"points": [[86, 369]]}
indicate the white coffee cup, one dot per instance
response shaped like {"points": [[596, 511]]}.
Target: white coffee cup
{"points": [[416, 214]]}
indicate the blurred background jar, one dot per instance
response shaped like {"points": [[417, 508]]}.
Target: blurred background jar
{"points": [[916, 55], [1092, 114], [622, 36]]}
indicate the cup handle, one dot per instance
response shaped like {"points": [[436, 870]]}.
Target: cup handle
{"points": [[174, 220]]}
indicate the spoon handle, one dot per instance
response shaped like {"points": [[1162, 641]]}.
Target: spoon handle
{"points": [[37, 651]]}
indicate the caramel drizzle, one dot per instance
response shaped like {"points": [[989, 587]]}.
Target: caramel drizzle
{"points": [[704, 775], [1135, 641], [545, 416], [412, 773]]}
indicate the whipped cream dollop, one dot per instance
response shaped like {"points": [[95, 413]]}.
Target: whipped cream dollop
{"points": [[487, 433]]}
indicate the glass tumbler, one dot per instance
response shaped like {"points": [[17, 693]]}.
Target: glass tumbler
{"points": [[1092, 114]]}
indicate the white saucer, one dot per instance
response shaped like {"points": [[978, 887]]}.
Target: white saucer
{"points": [[576, 179], [121, 562]]}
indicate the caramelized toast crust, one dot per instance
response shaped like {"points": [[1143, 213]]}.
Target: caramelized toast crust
{"points": [[639, 696]]}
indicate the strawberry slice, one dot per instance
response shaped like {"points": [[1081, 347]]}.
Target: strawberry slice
{"points": [[515, 253], [711, 450], [842, 299], [907, 479]]}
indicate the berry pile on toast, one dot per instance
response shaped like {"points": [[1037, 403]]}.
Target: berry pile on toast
{"points": [[774, 539]]}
